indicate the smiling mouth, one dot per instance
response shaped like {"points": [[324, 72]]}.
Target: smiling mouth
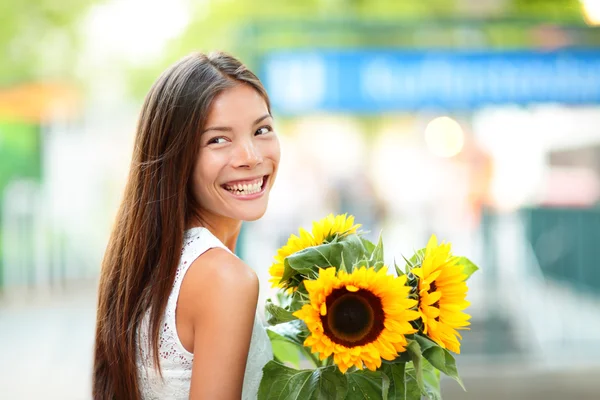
{"points": [[247, 188]]}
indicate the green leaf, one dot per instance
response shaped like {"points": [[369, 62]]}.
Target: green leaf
{"points": [[411, 387], [281, 382], [378, 265], [277, 315], [377, 253], [403, 357], [468, 266], [425, 343], [398, 389], [283, 299], [414, 350], [369, 246], [431, 379], [284, 351], [344, 267], [399, 272], [365, 384], [416, 260], [298, 299], [332, 385], [440, 358], [293, 331], [307, 262], [353, 249], [287, 341]]}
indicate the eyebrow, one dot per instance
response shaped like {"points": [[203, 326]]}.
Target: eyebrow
{"points": [[229, 129]]}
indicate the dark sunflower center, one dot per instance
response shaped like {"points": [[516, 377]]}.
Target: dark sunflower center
{"points": [[432, 289], [353, 318]]}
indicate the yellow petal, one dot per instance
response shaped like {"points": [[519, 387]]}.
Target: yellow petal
{"points": [[323, 309]]}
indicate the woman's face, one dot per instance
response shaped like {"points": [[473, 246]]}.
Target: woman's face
{"points": [[238, 157]]}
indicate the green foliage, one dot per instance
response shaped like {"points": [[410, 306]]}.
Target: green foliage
{"points": [[468, 267], [416, 260], [431, 380], [414, 351], [439, 358], [282, 382], [307, 262], [294, 332], [30, 27], [411, 388], [393, 381], [412, 375], [285, 352], [250, 28], [20, 158], [376, 258], [365, 384], [277, 315], [19, 153], [395, 373]]}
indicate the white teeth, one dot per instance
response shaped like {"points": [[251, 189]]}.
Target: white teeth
{"points": [[246, 189]]}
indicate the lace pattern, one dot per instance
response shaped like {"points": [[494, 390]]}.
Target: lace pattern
{"points": [[175, 360]]}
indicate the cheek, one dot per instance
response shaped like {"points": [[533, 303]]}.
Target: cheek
{"points": [[274, 151], [203, 176]]}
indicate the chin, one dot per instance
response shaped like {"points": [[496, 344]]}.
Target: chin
{"points": [[250, 217]]}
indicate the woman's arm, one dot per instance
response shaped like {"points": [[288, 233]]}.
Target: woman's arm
{"points": [[219, 295]]}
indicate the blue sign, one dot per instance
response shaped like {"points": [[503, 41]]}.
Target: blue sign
{"points": [[369, 81]]}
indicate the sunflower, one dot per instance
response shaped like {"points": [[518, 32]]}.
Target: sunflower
{"points": [[323, 231], [293, 245], [359, 317], [442, 293]]}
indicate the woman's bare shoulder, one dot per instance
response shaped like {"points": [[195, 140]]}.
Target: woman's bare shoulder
{"points": [[221, 267], [219, 276], [221, 297]]}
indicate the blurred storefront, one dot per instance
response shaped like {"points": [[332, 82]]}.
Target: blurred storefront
{"points": [[29, 253], [492, 149]]}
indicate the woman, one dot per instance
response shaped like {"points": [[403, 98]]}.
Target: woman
{"points": [[177, 309]]}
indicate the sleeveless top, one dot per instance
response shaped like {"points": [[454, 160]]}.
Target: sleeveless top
{"points": [[174, 359]]}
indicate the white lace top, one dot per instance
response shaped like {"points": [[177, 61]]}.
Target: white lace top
{"points": [[175, 360]]}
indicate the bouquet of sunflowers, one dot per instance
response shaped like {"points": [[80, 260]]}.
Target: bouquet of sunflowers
{"points": [[368, 334]]}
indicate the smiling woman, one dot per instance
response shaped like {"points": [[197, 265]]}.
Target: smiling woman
{"points": [[205, 159], [235, 137]]}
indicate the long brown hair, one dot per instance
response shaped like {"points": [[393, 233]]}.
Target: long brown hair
{"points": [[138, 269]]}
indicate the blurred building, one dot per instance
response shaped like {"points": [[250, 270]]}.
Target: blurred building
{"points": [[475, 120]]}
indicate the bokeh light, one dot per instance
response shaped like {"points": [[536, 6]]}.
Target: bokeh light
{"points": [[444, 137], [591, 10], [474, 120]]}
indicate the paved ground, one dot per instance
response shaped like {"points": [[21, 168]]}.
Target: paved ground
{"points": [[510, 382], [46, 352], [46, 345]]}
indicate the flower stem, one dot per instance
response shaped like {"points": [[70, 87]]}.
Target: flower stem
{"points": [[315, 360], [329, 361]]}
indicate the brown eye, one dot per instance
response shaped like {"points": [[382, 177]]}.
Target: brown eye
{"points": [[263, 130], [216, 140]]}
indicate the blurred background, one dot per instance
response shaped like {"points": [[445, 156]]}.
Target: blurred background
{"points": [[477, 120]]}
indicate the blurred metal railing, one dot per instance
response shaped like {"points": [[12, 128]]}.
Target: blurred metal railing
{"points": [[537, 295], [566, 243]]}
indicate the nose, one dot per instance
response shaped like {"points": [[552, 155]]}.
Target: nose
{"points": [[247, 155]]}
